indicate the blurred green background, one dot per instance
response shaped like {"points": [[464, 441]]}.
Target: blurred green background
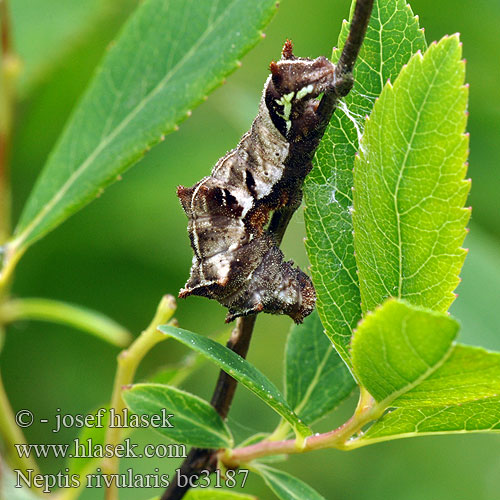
{"points": [[130, 246]]}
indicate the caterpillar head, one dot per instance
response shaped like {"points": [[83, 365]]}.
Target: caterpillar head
{"points": [[304, 77], [293, 86]]}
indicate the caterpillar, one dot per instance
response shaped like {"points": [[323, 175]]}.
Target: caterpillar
{"points": [[236, 259]]}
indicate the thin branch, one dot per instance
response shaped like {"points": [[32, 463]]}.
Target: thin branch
{"points": [[344, 80], [239, 342], [200, 459], [226, 385], [281, 218], [9, 431], [366, 411], [67, 314], [354, 41]]}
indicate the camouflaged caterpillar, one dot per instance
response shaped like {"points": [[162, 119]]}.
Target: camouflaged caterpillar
{"points": [[236, 260]]}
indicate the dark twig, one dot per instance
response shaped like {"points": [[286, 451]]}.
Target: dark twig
{"points": [[352, 46], [343, 72], [200, 459], [226, 385]]}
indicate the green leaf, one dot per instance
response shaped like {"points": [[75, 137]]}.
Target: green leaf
{"points": [[398, 346], [392, 37], [164, 376], [469, 374], [477, 416], [462, 395], [285, 486], [195, 422], [240, 369], [409, 219], [176, 374], [167, 58], [317, 379]]}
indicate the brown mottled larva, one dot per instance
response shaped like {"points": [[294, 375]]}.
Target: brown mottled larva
{"points": [[236, 261]]}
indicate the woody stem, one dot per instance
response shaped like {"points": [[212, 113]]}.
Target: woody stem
{"points": [[344, 80], [199, 459], [352, 46]]}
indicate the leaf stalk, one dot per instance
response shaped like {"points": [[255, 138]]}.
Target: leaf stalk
{"points": [[67, 314], [366, 411]]}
